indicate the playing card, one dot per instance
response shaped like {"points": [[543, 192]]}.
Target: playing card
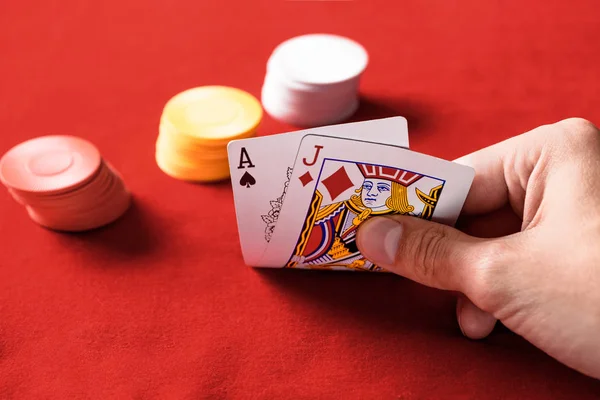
{"points": [[338, 183], [261, 168]]}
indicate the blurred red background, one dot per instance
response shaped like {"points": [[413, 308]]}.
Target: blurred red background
{"points": [[159, 304]]}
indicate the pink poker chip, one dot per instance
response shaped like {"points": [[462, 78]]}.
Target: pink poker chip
{"points": [[106, 199], [64, 184], [49, 164], [68, 198]]}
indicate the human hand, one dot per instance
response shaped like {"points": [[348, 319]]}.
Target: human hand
{"points": [[543, 282]]}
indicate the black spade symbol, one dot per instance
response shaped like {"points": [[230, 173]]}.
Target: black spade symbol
{"points": [[247, 180]]}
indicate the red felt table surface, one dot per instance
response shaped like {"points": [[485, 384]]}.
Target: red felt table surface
{"points": [[160, 304]]}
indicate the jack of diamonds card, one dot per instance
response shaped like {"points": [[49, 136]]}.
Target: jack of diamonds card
{"points": [[337, 184]]}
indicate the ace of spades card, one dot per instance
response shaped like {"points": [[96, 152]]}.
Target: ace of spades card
{"points": [[337, 184]]}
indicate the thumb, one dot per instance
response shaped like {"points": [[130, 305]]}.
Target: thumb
{"points": [[427, 252]]}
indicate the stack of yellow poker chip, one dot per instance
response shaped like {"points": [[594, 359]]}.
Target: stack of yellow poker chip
{"points": [[197, 124]]}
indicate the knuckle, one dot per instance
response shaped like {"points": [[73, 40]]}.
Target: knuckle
{"points": [[580, 130], [568, 138], [579, 124], [428, 250], [489, 278]]}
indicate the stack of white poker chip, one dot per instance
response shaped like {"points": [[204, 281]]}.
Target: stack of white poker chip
{"points": [[313, 80]]}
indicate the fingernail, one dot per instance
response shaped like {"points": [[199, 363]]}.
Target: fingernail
{"points": [[459, 307], [379, 239], [474, 322]]}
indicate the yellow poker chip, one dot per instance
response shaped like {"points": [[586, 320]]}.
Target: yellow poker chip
{"points": [[185, 160], [191, 155], [188, 173], [176, 144], [169, 132], [213, 113], [197, 124]]}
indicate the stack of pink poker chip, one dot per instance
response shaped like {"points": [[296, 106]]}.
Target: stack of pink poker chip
{"points": [[64, 183]]}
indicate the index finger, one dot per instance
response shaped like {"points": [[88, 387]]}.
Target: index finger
{"points": [[501, 172]]}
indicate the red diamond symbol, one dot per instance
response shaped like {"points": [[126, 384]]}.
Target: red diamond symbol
{"points": [[337, 183], [306, 178]]}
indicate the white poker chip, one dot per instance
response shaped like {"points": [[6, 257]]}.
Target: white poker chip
{"points": [[307, 115], [313, 80], [320, 59]]}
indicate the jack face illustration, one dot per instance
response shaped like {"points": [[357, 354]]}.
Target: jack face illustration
{"points": [[375, 193]]}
